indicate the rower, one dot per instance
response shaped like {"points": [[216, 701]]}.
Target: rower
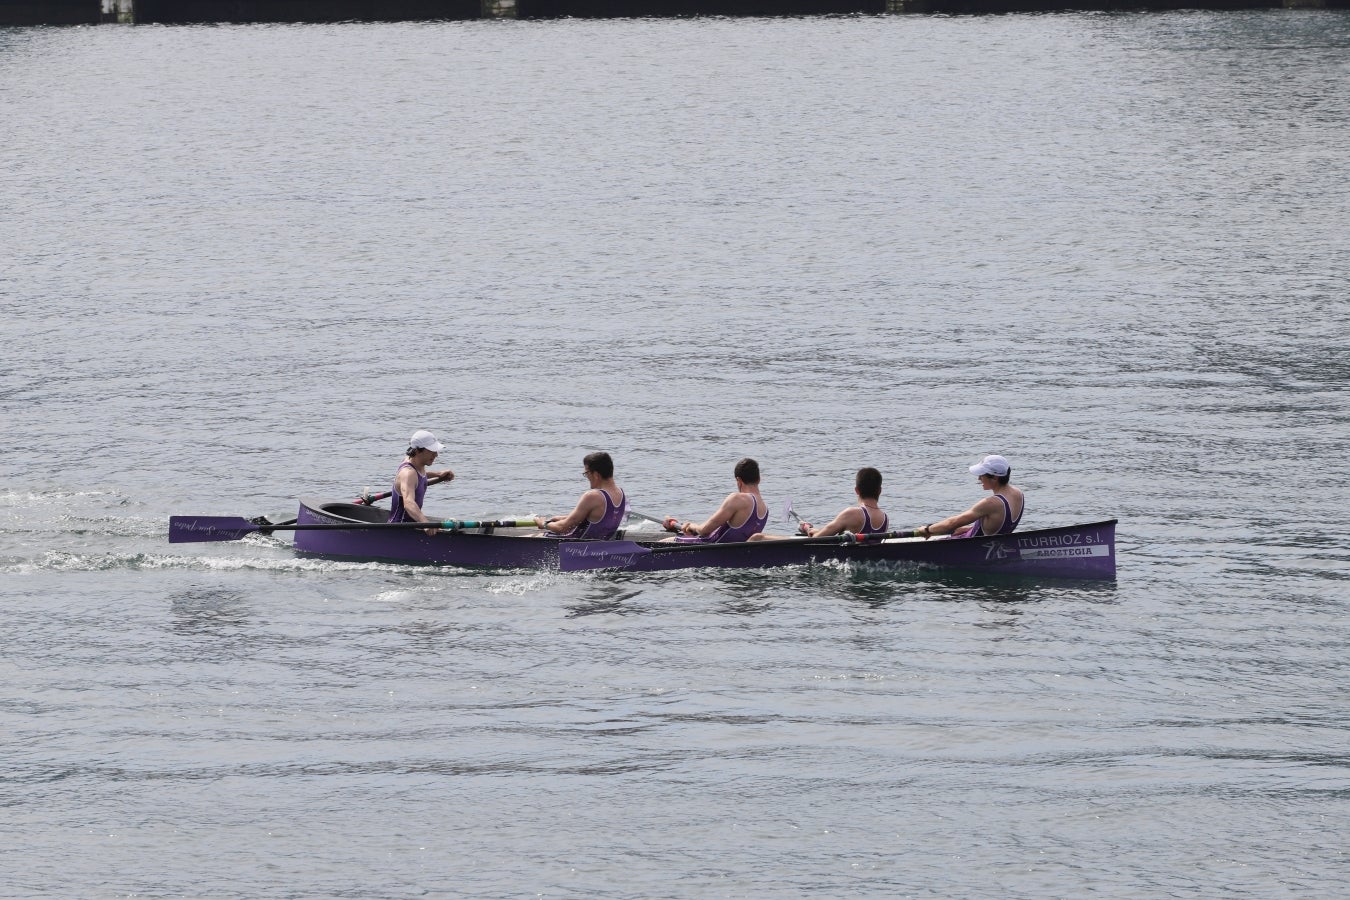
{"points": [[999, 513], [599, 512], [865, 518], [741, 515], [412, 478]]}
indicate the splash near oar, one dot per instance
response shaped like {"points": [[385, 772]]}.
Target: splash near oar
{"points": [[203, 529]]}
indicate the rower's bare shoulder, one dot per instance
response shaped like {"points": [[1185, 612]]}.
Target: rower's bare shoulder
{"points": [[850, 517]]}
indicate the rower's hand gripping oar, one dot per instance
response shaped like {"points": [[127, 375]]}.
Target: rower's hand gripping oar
{"points": [[803, 528], [669, 523], [369, 499], [201, 529]]}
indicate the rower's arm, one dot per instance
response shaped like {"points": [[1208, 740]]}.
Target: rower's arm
{"points": [[730, 506], [848, 520], [578, 515], [951, 523]]}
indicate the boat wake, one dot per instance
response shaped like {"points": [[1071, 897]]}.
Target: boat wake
{"points": [[68, 561]]}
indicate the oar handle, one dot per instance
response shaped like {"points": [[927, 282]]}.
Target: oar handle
{"points": [[669, 523], [369, 499]]}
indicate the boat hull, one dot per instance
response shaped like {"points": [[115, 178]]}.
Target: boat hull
{"points": [[460, 548], [1072, 551]]}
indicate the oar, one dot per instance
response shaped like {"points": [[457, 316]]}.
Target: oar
{"points": [[200, 529], [790, 513], [581, 556], [367, 499], [668, 523]]}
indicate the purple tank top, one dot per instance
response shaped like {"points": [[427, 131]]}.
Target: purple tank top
{"points": [[396, 511], [976, 528], [869, 528], [725, 534], [602, 529]]}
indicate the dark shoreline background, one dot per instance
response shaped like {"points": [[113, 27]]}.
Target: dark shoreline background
{"points": [[185, 12]]}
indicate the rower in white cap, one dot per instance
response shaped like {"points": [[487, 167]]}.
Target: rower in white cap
{"points": [[997, 514], [412, 478]]}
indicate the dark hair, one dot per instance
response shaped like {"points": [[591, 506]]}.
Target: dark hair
{"points": [[1006, 477], [600, 463], [747, 470], [868, 483]]}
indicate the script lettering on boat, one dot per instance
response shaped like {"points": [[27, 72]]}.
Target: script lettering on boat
{"points": [[611, 558]]}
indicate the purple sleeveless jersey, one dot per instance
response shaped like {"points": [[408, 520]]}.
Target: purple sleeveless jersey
{"points": [[869, 528], [976, 528], [603, 528], [725, 534], [396, 511]]}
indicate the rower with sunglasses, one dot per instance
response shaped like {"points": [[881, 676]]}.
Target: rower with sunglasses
{"points": [[599, 512]]}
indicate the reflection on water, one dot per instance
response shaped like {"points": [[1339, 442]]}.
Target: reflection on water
{"points": [[604, 597]]}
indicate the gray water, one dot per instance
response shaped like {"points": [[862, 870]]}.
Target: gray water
{"points": [[242, 264]]}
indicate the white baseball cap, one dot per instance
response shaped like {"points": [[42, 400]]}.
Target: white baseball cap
{"points": [[425, 440], [991, 465]]}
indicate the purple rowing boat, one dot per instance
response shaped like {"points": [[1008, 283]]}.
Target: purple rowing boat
{"points": [[1071, 551]]}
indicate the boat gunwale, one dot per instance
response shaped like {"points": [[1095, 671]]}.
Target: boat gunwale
{"points": [[661, 545]]}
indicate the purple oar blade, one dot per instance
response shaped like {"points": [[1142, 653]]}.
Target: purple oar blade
{"points": [[199, 529]]}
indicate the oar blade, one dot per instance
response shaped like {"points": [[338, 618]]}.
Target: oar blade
{"points": [[582, 556], [200, 529]]}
